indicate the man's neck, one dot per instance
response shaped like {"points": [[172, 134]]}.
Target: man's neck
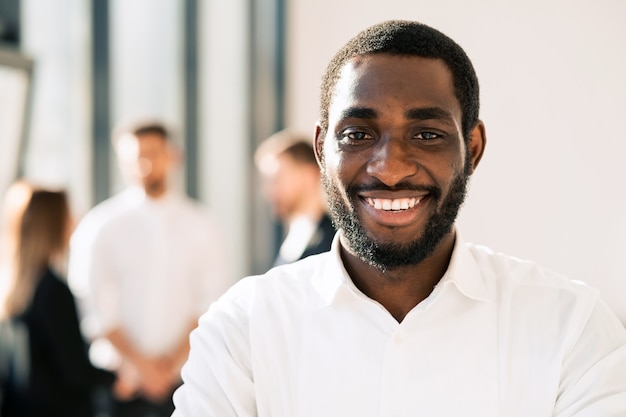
{"points": [[399, 290]]}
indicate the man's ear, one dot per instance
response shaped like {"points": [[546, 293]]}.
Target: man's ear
{"points": [[318, 144], [477, 142]]}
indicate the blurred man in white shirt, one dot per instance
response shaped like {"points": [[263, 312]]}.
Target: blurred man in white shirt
{"points": [[149, 261]]}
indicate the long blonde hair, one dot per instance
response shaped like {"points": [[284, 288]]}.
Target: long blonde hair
{"points": [[35, 231]]}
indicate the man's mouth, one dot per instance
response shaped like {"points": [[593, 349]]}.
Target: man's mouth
{"points": [[396, 204]]}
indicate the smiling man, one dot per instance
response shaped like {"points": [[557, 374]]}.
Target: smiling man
{"points": [[402, 317]]}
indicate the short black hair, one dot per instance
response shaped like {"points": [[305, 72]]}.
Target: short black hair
{"points": [[407, 38], [141, 128], [150, 128], [302, 152], [289, 142]]}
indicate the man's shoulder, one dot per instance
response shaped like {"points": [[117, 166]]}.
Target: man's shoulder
{"points": [[510, 274], [107, 210], [292, 283]]}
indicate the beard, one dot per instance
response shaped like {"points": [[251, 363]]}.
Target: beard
{"points": [[391, 256], [154, 185]]}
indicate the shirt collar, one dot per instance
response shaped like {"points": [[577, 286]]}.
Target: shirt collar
{"points": [[463, 272], [333, 275], [135, 194]]}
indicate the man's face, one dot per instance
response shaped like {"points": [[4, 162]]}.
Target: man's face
{"points": [[147, 160], [395, 165], [283, 185], [286, 183]]}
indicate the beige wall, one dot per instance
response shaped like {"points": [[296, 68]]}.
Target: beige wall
{"points": [[551, 184]]}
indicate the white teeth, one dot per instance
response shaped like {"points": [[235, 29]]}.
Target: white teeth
{"points": [[392, 205]]}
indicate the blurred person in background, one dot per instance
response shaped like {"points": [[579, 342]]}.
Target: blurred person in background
{"points": [[60, 379], [149, 261], [286, 161]]}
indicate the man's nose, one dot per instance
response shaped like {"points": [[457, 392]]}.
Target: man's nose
{"points": [[144, 166], [392, 161]]}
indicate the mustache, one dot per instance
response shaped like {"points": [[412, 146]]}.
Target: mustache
{"points": [[401, 186]]}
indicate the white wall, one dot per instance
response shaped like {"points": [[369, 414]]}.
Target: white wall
{"points": [[223, 131], [146, 60], [56, 36], [146, 68], [553, 78]]}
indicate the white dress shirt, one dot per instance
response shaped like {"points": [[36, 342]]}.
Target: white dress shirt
{"points": [[498, 337], [149, 267]]}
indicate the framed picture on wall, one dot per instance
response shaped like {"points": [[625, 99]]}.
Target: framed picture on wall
{"points": [[15, 90]]}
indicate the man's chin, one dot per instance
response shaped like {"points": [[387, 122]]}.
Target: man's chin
{"points": [[153, 187], [395, 251]]}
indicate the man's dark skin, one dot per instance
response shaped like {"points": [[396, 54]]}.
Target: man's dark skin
{"points": [[395, 134]]}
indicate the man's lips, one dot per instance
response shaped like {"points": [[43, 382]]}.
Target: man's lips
{"points": [[401, 209], [393, 204]]}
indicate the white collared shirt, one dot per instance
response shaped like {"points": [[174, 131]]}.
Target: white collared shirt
{"points": [[148, 266], [498, 337]]}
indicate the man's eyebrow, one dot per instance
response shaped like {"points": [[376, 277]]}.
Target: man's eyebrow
{"points": [[429, 113], [359, 113], [425, 113]]}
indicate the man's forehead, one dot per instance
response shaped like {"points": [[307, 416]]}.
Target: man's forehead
{"points": [[368, 77], [360, 65]]}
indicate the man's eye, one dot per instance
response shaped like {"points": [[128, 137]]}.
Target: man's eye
{"points": [[356, 136], [428, 136]]}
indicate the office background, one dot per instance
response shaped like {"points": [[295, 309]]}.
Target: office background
{"points": [[226, 74]]}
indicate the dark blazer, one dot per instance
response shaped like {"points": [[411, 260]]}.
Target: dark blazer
{"points": [[61, 378], [321, 240]]}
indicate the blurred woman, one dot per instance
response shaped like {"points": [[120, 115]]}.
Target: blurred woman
{"points": [[36, 230]]}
